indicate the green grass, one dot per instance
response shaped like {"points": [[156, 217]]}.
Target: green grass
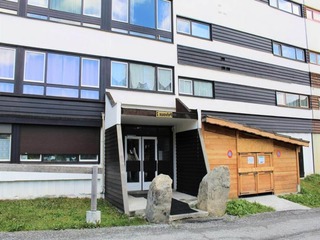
{"points": [[310, 192], [240, 208], [56, 214]]}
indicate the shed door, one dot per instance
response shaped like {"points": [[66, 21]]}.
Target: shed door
{"points": [[255, 173]]}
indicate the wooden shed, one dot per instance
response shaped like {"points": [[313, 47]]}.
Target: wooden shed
{"points": [[259, 161]]}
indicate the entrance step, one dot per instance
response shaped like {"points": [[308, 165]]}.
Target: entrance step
{"points": [[197, 214]]}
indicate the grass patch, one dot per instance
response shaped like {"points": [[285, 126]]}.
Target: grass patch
{"points": [[57, 214], [310, 192], [241, 207]]}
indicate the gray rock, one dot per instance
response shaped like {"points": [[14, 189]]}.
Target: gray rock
{"points": [[159, 199], [214, 190]]}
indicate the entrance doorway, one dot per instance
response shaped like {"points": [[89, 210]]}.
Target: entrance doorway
{"points": [[255, 173], [141, 161]]}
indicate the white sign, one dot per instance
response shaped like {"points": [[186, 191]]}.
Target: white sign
{"points": [[250, 160], [261, 160]]}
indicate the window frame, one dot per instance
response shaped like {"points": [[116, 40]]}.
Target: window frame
{"points": [[292, 7], [281, 45], [10, 148], [299, 96], [312, 12], [158, 81], [193, 80], [191, 21], [81, 72], [14, 63], [128, 82], [317, 56], [43, 70]]}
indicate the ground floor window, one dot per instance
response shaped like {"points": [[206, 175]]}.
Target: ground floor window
{"points": [[5, 147]]}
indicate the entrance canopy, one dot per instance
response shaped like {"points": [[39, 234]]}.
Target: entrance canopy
{"points": [[232, 125]]}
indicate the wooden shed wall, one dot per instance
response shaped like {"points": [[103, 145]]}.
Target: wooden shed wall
{"points": [[218, 142], [286, 168]]}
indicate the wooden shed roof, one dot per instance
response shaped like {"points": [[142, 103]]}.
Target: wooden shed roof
{"points": [[223, 123]]}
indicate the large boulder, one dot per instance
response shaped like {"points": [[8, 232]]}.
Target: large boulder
{"points": [[214, 190], [159, 199]]}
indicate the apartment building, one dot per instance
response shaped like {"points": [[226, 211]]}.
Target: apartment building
{"points": [[127, 84]]}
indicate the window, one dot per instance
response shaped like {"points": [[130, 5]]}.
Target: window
{"points": [[313, 14], [292, 100], [193, 28], [9, 6], [91, 9], [5, 147], [196, 88], [141, 77], [148, 18], [286, 6], [314, 58], [7, 69], [288, 52], [60, 75]]}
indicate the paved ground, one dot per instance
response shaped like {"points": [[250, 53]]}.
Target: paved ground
{"points": [[299, 224], [279, 204]]}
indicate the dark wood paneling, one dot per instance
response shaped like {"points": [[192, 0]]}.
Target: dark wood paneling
{"points": [[232, 36], [314, 102], [14, 109], [316, 126], [267, 123], [59, 140], [239, 93], [190, 162], [113, 186], [213, 60], [315, 80]]}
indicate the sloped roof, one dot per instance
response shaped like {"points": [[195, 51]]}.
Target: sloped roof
{"points": [[224, 123]]}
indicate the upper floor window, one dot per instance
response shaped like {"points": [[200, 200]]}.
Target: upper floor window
{"points": [[314, 58], [286, 51], [71, 9], [193, 28], [7, 69], [9, 6], [286, 6], [195, 87], [61, 75], [292, 100], [313, 14], [155, 15], [141, 77]]}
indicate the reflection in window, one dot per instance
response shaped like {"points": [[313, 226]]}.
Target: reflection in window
{"points": [[314, 58], [288, 52], [92, 8], [165, 79], [72, 6], [5, 147], [142, 77], [119, 74], [196, 88], [142, 13], [7, 63], [63, 69], [164, 15], [6, 87], [39, 3], [34, 66], [60, 75], [60, 158], [292, 100], [190, 27], [120, 10]]}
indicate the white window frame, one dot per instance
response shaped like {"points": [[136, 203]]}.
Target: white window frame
{"points": [[190, 27], [186, 80], [127, 75], [88, 160], [157, 17], [30, 160], [97, 60], [128, 12], [10, 139], [158, 79], [90, 15], [43, 70], [14, 63]]}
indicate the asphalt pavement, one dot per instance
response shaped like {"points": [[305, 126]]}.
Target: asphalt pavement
{"points": [[297, 224]]}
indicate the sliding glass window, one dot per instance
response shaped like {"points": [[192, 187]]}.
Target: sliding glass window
{"points": [[194, 87], [193, 28]]}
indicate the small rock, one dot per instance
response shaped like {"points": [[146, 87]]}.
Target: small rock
{"points": [[159, 199], [214, 191]]}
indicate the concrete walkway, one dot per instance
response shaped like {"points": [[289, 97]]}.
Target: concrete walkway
{"points": [[279, 204]]}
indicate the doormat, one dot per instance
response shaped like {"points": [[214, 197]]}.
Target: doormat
{"points": [[178, 207]]}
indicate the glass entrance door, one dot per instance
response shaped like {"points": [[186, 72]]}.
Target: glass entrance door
{"points": [[141, 162]]}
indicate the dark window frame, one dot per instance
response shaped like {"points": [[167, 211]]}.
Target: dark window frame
{"points": [[196, 80], [292, 4], [285, 100], [127, 88], [127, 28], [194, 21], [290, 46]]}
